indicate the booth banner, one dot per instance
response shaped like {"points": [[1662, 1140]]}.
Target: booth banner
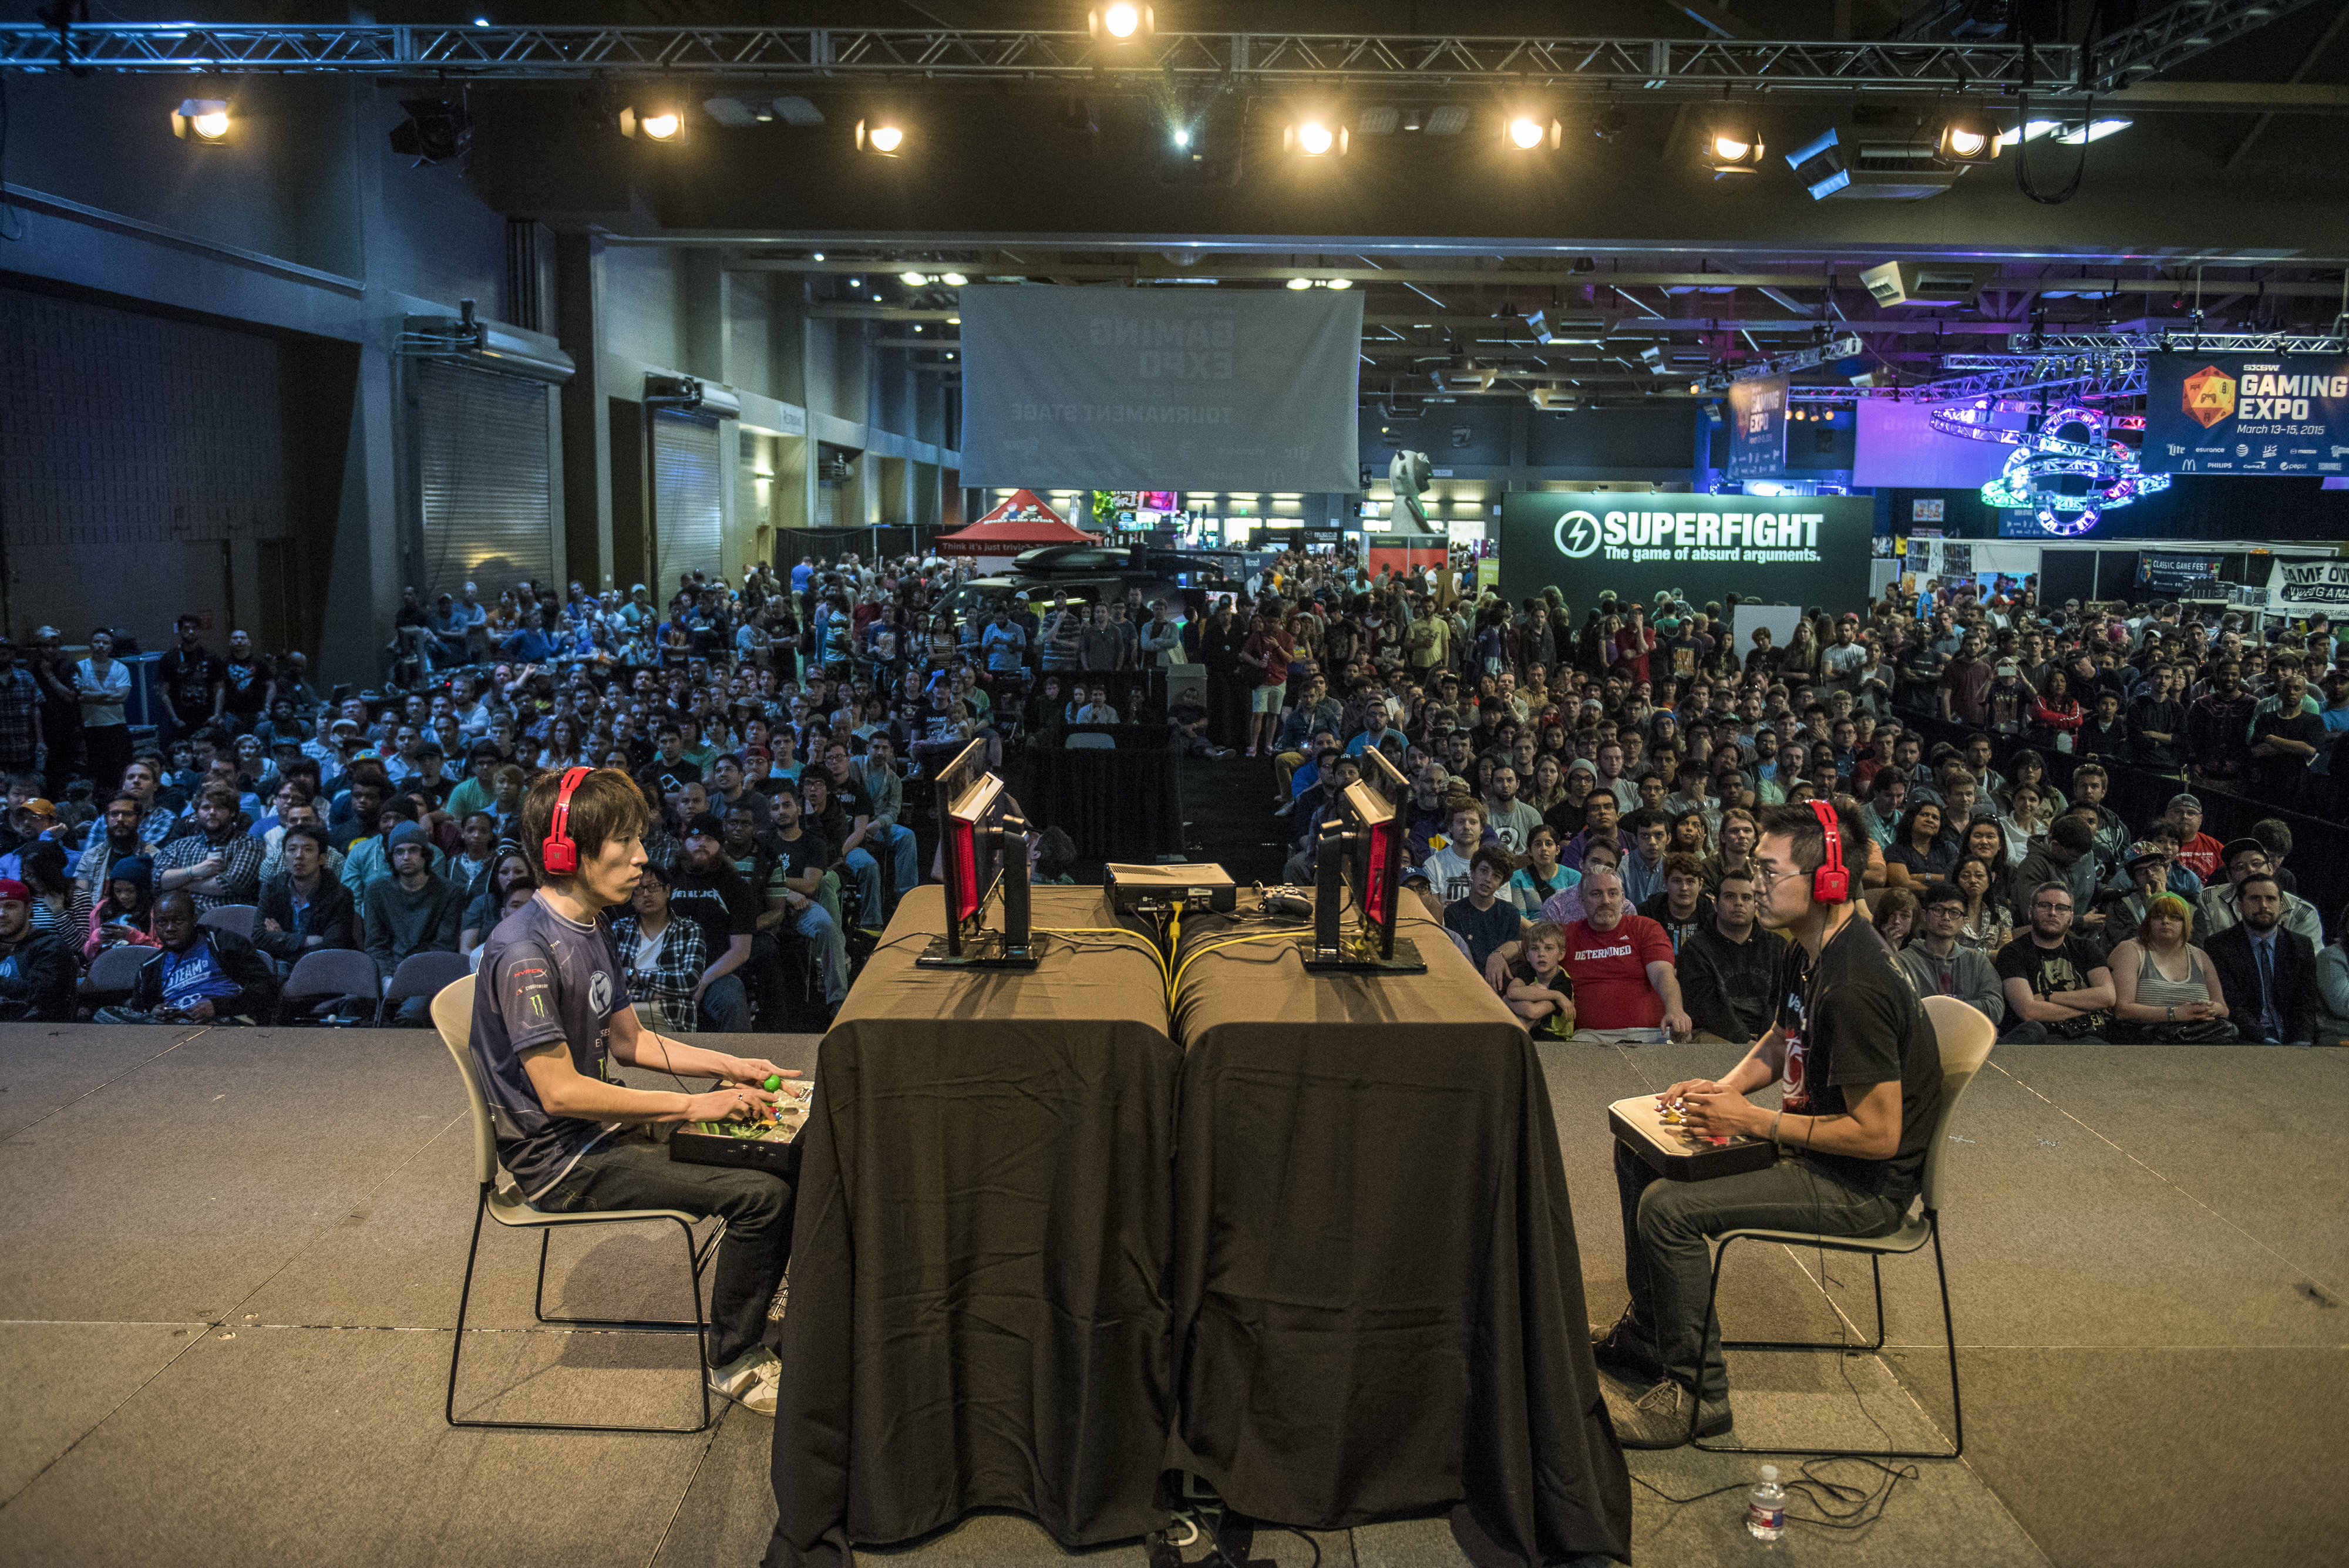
{"points": [[1115, 388], [1797, 549], [2172, 576], [1757, 427], [2306, 587], [2246, 414]]}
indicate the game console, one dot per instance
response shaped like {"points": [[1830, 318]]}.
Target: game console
{"points": [[1196, 886]]}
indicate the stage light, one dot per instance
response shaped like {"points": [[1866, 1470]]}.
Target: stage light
{"points": [[1340, 283], [480, 21], [1968, 139], [202, 120], [1733, 147], [1525, 132], [882, 136], [658, 121], [436, 128], [954, 280], [913, 279], [1819, 164], [819, 255], [1300, 283], [1610, 123], [1119, 22], [1313, 138]]}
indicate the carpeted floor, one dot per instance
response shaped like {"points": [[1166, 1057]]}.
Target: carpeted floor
{"points": [[232, 1260]]}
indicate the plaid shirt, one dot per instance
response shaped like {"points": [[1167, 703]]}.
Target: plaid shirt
{"points": [[239, 881], [666, 986], [20, 705]]}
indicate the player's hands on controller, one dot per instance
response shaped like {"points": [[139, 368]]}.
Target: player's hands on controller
{"points": [[756, 1070], [1715, 1112], [1681, 1090], [729, 1103]]}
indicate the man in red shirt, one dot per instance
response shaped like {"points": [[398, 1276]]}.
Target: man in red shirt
{"points": [[2197, 850], [1620, 964]]}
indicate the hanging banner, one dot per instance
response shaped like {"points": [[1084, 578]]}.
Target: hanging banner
{"points": [[1134, 387], [2306, 587], [2246, 414], [2176, 577], [1757, 427], [1796, 549]]}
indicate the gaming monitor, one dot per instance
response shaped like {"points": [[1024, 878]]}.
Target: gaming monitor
{"points": [[982, 847], [1359, 865]]}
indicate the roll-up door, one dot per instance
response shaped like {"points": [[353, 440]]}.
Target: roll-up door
{"points": [[686, 498], [483, 480]]}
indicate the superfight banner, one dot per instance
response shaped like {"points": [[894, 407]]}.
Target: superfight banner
{"points": [[1798, 550], [2247, 413]]}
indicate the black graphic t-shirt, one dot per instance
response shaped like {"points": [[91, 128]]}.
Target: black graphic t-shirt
{"points": [[2050, 970], [1852, 1020]]}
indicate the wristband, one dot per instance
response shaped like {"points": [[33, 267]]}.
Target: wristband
{"points": [[1774, 1120]]}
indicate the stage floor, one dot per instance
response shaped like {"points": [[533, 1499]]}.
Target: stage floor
{"points": [[231, 1260]]}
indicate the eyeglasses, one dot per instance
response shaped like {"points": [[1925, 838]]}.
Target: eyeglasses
{"points": [[2063, 909]]}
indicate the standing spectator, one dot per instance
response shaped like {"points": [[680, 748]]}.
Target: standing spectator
{"points": [[794, 886], [2284, 741], [1725, 968], [1938, 964], [1264, 661], [2157, 723], [105, 688], [61, 709], [2058, 986], [2219, 731], [663, 956], [2268, 973], [248, 685], [21, 747], [1965, 684], [412, 911], [191, 682]]}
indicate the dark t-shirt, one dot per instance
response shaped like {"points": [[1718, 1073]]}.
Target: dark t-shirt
{"points": [[544, 980], [248, 684], [797, 857], [720, 901], [2279, 775], [190, 675], [2051, 969], [852, 796], [1852, 1020], [1483, 929], [659, 777]]}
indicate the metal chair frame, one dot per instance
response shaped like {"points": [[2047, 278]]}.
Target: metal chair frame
{"points": [[452, 1012], [1964, 1037]]}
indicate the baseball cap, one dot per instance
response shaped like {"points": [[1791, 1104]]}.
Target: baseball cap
{"points": [[39, 807], [2227, 852], [706, 823], [2145, 852]]}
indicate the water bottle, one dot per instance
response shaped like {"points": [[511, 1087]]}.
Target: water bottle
{"points": [[1765, 1507]]}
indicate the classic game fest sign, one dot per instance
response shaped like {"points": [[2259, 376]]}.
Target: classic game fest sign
{"points": [[1802, 550], [2247, 413]]}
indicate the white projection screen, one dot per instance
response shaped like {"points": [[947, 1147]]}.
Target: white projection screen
{"points": [[1135, 389]]}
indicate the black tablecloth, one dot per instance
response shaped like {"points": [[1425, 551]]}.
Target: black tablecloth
{"points": [[977, 1315], [1377, 1298], [1124, 804]]}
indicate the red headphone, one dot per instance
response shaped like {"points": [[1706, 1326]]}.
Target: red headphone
{"points": [[558, 853], [1830, 884]]}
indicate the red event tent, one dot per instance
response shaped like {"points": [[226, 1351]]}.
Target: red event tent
{"points": [[1001, 533]]}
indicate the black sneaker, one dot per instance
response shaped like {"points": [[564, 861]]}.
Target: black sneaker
{"points": [[1659, 1418], [1626, 1350]]}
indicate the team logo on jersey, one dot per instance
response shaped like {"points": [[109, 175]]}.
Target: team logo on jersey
{"points": [[599, 991]]}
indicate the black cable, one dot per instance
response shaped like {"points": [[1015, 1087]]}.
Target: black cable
{"points": [[2022, 179], [1820, 1490]]}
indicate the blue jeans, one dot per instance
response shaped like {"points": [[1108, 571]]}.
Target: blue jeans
{"points": [[829, 948], [726, 1005], [864, 864]]}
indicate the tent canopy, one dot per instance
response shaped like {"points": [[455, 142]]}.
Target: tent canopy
{"points": [[1020, 523]]}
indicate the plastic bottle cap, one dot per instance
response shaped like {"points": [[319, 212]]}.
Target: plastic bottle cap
{"points": [[774, 1082], [1769, 1475]]}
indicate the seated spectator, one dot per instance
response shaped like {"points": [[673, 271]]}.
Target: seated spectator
{"points": [[199, 974], [2197, 850], [1539, 992], [1481, 917], [1540, 876], [125, 910], [2165, 990], [2058, 986], [413, 909], [1896, 916], [218, 864], [1683, 906], [1511, 819], [1052, 859], [1726, 970], [508, 868], [1939, 965], [37, 968], [54, 906], [366, 861], [304, 906], [2268, 973], [2332, 1012], [1620, 964], [705, 889], [2241, 859], [662, 957], [2065, 856], [1919, 849], [1643, 863], [1447, 865]]}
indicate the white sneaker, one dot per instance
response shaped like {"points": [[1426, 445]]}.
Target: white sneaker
{"points": [[752, 1380]]}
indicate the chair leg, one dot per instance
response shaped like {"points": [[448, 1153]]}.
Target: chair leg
{"points": [[1875, 1262], [700, 1325], [698, 1257]]}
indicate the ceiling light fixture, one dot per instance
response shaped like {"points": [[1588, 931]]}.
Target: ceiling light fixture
{"points": [[659, 121], [1968, 139], [1526, 132], [1300, 283], [1119, 22], [1313, 138], [881, 136], [1732, 146], [202, 120], [913, 279]]}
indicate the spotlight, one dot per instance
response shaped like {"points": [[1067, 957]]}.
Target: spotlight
{"points": [[954, 280], [1340, 283], [202, 120], [913, 279], [1119, 22], [1967, 139], [1300, 283], [1181, 136], [435, 130], [1313, 138], [662, 121], [1732, 146], [1818, 164], [1610, 123], [1526, 132], [882, 136]]}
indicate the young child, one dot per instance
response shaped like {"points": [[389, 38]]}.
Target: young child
{"points": [[1539, 993]]}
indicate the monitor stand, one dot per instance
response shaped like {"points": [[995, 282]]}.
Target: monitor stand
{"points": [[986, 951], [1359, 957]]}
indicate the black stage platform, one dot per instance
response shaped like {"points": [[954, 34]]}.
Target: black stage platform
{"points": [[232, 1259]]}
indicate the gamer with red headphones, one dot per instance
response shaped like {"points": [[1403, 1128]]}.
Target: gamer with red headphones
{"points": [[1863, 1087], [551, 1007]]}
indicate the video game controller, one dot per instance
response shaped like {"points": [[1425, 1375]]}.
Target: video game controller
{"points": [[1293, 902]]}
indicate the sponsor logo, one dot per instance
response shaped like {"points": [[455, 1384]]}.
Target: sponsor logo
{"points": [[2242, 448], [2210, 396], [599, 991], [1577, 535], [2176, 450]]}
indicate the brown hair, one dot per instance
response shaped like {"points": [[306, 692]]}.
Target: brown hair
{"points": [[606, 805]]}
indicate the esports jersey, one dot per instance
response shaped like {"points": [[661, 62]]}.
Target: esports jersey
{"points": [[544, 978]]}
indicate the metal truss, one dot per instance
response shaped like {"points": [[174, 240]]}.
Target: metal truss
{"points": [[2174, 34], [852, 54], [2085, 363]]}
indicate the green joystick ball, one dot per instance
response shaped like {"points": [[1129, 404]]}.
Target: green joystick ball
{"points": [[774, 1081]]}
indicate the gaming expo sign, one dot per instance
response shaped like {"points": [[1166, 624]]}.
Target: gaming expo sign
{"points": [[1799, 549], [2247, 413]]}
